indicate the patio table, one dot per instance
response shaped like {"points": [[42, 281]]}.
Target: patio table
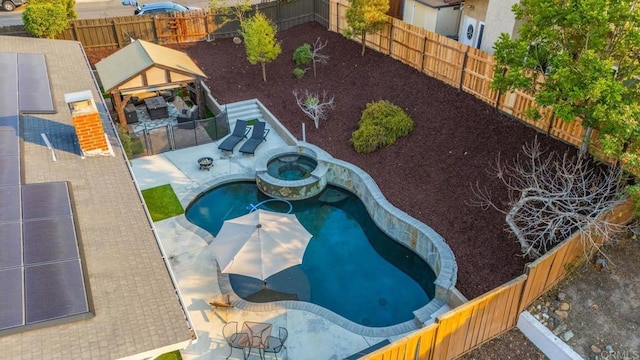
{"points": [[257, 336], [157, 108]]}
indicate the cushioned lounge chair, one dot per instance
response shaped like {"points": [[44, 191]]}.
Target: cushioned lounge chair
{"points": [[240, 132], [258, 135]]}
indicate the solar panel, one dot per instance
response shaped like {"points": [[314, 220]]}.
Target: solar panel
{"points": [[34, 92], [10, 246], [9, 170], [45, 200], [9, 142], [54, 291], [9, 203], [9, 121], [41, 276], [49, 240], [8, 84], [11, 295]]}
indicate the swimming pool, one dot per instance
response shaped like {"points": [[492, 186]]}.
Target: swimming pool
{"points": [[350, 266]]}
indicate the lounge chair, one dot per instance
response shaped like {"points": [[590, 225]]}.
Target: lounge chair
{"points": [[258, 135], [240, 132]]}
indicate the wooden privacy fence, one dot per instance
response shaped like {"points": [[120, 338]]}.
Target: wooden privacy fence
{"points": [[462, 329], [188, 26], [459, 65]]}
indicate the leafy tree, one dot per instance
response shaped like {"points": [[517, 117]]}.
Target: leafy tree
{"points": [[260, 41], [45, 19], [365, 16], [69, 6], [224, 14], [580, 59]]}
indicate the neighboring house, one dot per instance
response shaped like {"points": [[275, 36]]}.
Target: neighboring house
{"points": [[477, 23], [439, 16]]}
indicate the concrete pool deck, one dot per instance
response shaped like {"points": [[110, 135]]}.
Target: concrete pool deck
{"points": [[310, 336]]}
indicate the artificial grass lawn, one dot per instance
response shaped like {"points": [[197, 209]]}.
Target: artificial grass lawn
{"points": [[162, 202], [174, 355]]}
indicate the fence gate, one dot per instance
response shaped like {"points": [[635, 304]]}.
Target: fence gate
{"points": [[152, 141]]}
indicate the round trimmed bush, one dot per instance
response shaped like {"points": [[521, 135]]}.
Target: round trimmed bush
{"points": [[381, 124]]}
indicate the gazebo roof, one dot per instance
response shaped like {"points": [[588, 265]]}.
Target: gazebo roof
{"points": [[143, 66]]}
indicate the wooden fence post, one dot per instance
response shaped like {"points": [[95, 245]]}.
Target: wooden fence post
{"points": [[338, 17], [390, 38], [424, 53], [464, 65], [156, 37], [116, 30], [551, 121], [499, 93], [75, 31]]}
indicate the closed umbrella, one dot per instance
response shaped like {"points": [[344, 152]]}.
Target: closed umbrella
{"points": [[260, 244]]}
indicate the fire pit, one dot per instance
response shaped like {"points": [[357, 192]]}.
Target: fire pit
{"points": [[205, 163]]}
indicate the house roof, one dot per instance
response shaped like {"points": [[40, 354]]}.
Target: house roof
{"points": [[129, 287], [142, 66]]}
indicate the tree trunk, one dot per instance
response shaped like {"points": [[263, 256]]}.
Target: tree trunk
{"points": [[584, 148], [364, 41], [264, 72]]}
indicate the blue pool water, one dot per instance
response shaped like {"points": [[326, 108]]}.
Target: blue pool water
{"points": [[350, 266]]}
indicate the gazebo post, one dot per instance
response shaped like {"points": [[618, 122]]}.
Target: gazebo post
{"points": [[201, 109], [115, 95]]}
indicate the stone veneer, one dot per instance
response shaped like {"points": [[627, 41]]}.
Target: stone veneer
{"points": [[290, 189]]}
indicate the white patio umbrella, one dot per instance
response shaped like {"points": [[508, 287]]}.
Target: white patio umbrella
{"points": [[260, 244]]}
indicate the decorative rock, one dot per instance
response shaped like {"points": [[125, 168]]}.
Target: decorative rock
{"points": [[567, 335], [545, 316], [595, 349], [562, 314], [544, 309], [564, 306], [560, 328], [561, 296], [609, 348]]}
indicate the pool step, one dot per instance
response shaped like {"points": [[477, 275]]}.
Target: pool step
{"points": [[427, 315], [244, 110]]}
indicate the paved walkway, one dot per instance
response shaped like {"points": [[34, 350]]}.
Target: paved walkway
{"points": [[310, 336]]}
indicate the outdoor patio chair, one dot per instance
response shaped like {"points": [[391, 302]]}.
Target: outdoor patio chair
{"points": [[234, 338], [258, 135], [187, 119], [277, 343], [240, 132]]}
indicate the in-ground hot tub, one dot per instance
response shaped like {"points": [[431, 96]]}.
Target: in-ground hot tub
{"points": [[291, 173]]}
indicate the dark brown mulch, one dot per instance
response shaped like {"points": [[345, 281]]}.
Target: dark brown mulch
{"points": [[427, 174]]}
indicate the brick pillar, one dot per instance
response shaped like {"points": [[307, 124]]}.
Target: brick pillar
{"points": [[88, 124]]}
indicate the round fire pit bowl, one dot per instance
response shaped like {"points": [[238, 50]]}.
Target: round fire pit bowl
{"points": [[205, 163]]}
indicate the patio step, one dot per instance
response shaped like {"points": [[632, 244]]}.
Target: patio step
{"points": [[245, 110]]}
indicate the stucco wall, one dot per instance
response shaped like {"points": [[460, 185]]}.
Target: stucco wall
{"points": [[499, 19]]}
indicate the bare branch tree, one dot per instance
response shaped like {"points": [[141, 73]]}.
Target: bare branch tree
{"points": [[553, 196], [316, 57], [314, 105]]}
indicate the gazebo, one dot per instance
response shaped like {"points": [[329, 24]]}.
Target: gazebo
{"points": [[144, 67]]}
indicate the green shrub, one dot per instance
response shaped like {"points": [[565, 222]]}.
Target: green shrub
{"points": [[302, 55], [45, 20], [298, 72], [380, 125]]}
